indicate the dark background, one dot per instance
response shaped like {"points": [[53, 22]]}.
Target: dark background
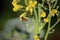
{"points": [[7, 13]]}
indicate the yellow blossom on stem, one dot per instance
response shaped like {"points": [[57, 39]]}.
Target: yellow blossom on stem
{"points": [[14, 2], [23, 14], [23, 17], [54, 11], [17, 7], [43, 14], [36, 37], [31, 5], [46, 20]]}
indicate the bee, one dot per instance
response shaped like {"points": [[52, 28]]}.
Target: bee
{"points": [[24, 18]]}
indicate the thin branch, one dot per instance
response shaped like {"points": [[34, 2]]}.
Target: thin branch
{"points": [[55, 24], [55, 4]]}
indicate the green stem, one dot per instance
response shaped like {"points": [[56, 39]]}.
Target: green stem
{"points": [[55, 4], [26, 2], [35, 13], [41, 27], [43, 2], [39, 18], [57, 7], [35, 25], [46, 36]]}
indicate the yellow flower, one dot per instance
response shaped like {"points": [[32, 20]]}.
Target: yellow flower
{"points": [[14, 2], [45, 20], [31, 5], [43, 14], [36, 37], [23, 14], [23, 17], [17, 7], [31, 10], [27, 8], [54, 11]]}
